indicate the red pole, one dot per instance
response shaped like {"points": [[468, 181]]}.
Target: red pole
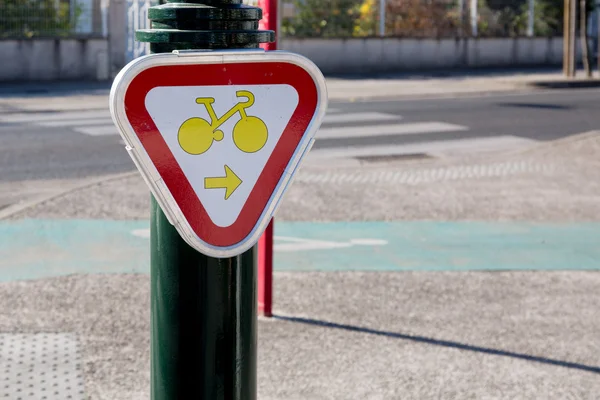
{"points": [[265, 244], [269, 21], [265, 272]]}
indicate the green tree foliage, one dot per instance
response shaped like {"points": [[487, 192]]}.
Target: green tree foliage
{"points": [[504, 17], [408, 18], [29, 18], [318, 18], [501, 18], [366, 23], [421, 18], [548, 17]]}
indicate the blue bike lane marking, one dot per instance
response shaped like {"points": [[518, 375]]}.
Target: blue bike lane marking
{"points": [[34, 249]]}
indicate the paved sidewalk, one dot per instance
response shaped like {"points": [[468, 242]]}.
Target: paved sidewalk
{"points": [[457, 83], [367, 335], [472, 335]]}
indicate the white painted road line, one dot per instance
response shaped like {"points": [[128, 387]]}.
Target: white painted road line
{"points": [[388, 130], [39, 117], [103, 130], [359, 117], [291, 244], [77, 122], [474, 145]]}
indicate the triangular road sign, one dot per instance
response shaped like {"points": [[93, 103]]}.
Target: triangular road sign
{"points": [[218, 136]]}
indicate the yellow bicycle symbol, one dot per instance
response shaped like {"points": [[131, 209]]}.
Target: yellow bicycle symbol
{"points": [[250, 134]]}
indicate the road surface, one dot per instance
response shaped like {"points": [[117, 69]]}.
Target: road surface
{"points": [[78, 139]]}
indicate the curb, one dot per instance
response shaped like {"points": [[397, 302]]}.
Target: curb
{"points": [[22, 206], [517, 87]]}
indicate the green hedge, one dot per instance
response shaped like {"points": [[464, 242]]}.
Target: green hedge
{"points": [[29, 18]]}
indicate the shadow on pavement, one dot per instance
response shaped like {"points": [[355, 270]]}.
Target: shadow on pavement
{"points": [[536, 105], [458, 73], [568, 83], [437, 342]]}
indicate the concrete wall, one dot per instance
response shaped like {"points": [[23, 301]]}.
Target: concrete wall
{"points": [[396, 54], [54, 59], [97, 59]]}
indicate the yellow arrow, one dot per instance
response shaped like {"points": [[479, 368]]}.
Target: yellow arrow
{"points": [[230, 182]]}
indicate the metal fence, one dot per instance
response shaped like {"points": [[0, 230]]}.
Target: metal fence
{"points": [[53, 18], [422, 18]]}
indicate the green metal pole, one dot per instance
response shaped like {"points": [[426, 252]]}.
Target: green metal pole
{"points": [[203, 309], [203, 338]]}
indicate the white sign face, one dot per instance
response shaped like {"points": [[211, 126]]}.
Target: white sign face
{"points": [[222, 137]]}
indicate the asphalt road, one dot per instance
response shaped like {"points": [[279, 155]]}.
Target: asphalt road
{"points": [[44, 143], [539, 116]]}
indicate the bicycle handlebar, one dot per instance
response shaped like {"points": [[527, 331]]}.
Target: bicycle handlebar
{"points": [[245, 93]]}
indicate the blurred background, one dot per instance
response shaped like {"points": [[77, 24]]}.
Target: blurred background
{"points": [[528, 33], [315, 18], [423, 18]]}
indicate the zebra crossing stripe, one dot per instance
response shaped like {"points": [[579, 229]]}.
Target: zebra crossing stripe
{"points": [[36, 118], [78, 122], [388, 130], [359, 117], [103, 130]]}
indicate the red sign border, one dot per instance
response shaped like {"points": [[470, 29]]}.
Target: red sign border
{"points": [[267, 72]]}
